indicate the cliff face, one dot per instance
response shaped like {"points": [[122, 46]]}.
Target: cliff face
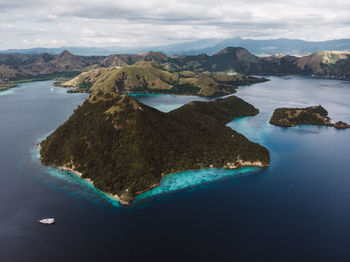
{"points": [[125, 146]]}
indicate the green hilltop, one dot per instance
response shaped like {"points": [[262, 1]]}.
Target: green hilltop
{"points": [[313, 115], [152, 77]]}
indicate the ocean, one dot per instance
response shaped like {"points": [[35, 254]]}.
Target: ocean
{"points": [[295, 210]]}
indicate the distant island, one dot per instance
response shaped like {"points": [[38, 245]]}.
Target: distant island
{"points": [[16, 67], [152, 77], [314, 115], [125, 147]]}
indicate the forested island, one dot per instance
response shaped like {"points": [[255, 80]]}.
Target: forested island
{"points": [[313, 115], [125, 147]]}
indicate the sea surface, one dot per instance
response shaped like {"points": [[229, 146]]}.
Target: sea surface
{"points": [[298, 209]]}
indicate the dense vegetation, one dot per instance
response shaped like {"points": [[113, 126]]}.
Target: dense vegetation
{"points": [[222, 110], [125, 146], [314, 115]]}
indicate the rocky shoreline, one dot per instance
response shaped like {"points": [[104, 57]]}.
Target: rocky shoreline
{"points": [[313, 115], [89, 180]]}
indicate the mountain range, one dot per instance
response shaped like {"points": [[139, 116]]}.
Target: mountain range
{"points": [[14, 67], [206, 46]]}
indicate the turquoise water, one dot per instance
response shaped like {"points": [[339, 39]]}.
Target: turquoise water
{"points": [[69, 181], [6, 92], [190, 179]]}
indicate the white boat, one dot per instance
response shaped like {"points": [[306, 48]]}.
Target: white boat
{"points": [[47, 221], [52, 89]]}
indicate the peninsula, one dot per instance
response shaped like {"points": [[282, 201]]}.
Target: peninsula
{"points": [[125, 147], [152, 77], [313, 115]]}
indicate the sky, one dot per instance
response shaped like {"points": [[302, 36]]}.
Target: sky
{"points": [[134, 23]]}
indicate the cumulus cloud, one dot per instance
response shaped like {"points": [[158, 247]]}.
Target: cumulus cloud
{"points": [[155, 22]]}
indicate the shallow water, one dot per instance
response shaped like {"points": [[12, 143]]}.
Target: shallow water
{"points": [[296, 210]]}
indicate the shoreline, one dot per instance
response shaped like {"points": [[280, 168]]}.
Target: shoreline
{"points": [[125, 198], [80, 176], [89, 181], [15, 83], [126, 202]]}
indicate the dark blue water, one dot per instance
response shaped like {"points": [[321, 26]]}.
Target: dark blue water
{"points": [[296, 210]]}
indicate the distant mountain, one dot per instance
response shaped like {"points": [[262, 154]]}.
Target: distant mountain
{"points": [[83, 51], [237, 59], [206, 46], [14, 67], [46, 63], [274, 46]]}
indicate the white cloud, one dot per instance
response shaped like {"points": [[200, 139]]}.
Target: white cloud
{"points": [[153, 22]]}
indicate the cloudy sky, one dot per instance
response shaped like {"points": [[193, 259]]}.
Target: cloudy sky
{"points": [[54, 23]]}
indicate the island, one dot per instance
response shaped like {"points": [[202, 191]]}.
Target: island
{"points": [[313, 115], [154, 78], [125, 147]]}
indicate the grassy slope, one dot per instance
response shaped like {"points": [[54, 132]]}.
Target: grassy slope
{"points": [[150, 77], [326, 63], [14, 67]]}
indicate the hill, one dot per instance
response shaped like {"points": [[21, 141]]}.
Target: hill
{"points": [[326, 64], [313, 115], [151, 77], [125, 147], [335, 63]]}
